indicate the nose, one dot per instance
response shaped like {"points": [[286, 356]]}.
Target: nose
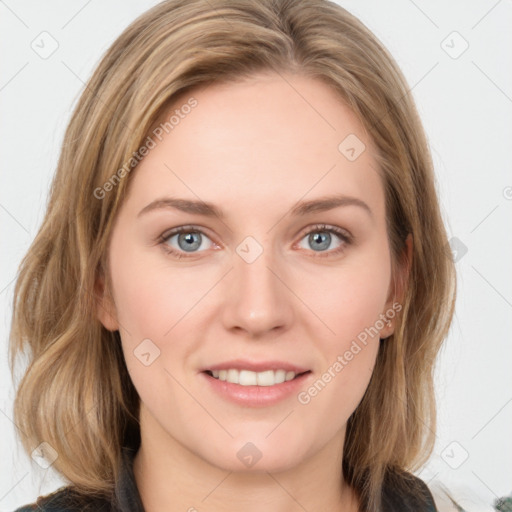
{"points": [[258, 298]]}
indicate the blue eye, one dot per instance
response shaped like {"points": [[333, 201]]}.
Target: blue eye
{"points": [[190, 239], [321, 237]]}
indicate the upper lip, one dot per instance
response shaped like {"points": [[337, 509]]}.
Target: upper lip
{"points": [[256, 366]]}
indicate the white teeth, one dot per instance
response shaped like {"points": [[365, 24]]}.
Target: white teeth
{"points": [[289, 375], [280, 376], [249, 378], [269, 378], [244, 378], [231, 375]]}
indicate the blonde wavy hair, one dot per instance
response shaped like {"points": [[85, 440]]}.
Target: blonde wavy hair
{"points": [[76, 393]]}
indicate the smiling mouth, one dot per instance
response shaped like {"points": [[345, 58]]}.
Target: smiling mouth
{"points": [[250, 378]]}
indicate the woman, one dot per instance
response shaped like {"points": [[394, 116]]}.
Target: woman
{"points": [[191, 348]]}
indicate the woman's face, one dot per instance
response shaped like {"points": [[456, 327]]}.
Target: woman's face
{"points": [[263, 285]]}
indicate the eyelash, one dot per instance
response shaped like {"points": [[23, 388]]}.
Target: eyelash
{"points": [[342, 234]]}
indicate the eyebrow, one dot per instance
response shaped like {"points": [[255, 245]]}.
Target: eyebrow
{"points": [[210, 210]]}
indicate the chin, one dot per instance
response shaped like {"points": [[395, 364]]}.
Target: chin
{"points": [[255, 454]]}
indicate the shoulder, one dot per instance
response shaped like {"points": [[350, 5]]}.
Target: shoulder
{"points": [[406, 492], [66, 500]]}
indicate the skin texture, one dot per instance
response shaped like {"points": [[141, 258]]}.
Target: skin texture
{"points": [[253, 148]]}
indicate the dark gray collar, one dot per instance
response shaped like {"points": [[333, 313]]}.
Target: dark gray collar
{"points": [[126, 493]]}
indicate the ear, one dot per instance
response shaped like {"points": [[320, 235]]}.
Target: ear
{"points": [[398, 287], [105, 307]]}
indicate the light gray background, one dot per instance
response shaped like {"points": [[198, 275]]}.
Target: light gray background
{"points": [[466, 107]]}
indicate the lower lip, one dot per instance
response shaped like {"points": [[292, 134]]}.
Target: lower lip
{"points": [[256, 396]]}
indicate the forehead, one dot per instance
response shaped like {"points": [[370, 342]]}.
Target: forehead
{"points": [[267, 140]]}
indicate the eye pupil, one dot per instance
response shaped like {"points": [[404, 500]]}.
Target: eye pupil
{"points": [[192, 240], [318, 236]]}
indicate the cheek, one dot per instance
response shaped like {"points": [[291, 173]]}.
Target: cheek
{"points": [[351, 298], [351, 310], [349, 307], [155, 301], [336, 392], [150, 296]]}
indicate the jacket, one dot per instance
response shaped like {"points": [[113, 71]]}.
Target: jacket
{"points": [[414, 495]]}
